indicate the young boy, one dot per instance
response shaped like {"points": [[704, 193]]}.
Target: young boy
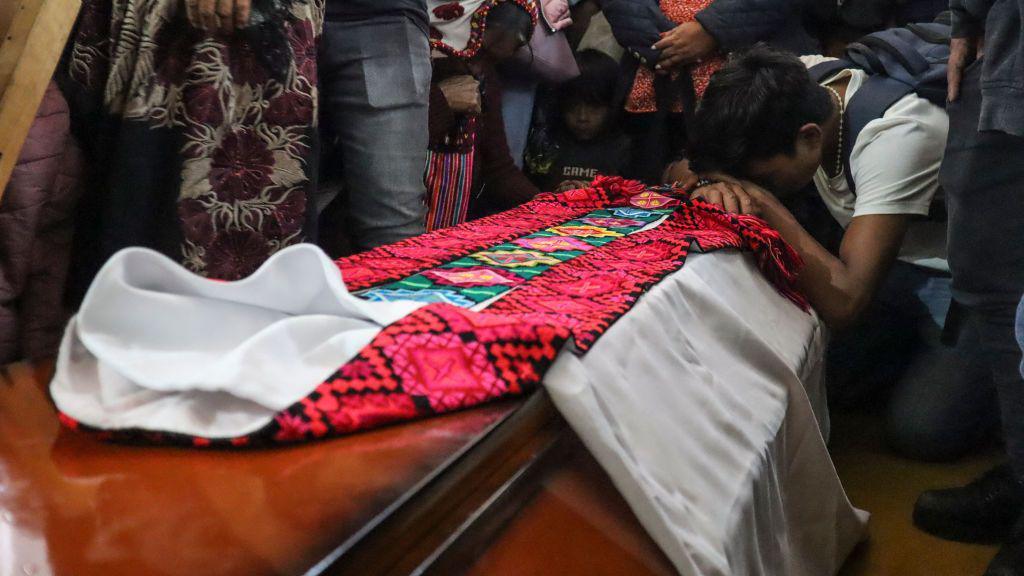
{"points": [[586, 140], [764, 120]]}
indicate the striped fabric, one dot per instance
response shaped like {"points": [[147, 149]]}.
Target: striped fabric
{"points": [[449, 184]]}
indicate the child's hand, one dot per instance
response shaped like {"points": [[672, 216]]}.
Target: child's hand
{"points": [[572, 185], [462, 94]]}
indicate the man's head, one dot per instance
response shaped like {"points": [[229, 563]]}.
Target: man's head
{"points": [[761, 118]]}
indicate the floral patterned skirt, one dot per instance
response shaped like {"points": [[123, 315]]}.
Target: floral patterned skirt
{"points": [[204, 145]]}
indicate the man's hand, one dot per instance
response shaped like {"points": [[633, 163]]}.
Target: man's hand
{"points": [[735, 197], [572, 185], [684, 44], [679, 174], [223, 16], [962, 51], [462, 94]]}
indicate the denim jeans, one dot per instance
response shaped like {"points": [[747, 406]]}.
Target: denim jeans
{"points": [[983, 179], [375, 86], [942, 400]]}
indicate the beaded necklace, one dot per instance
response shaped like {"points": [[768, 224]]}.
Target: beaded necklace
{"points": [[839, 140]]}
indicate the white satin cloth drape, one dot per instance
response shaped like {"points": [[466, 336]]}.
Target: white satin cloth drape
{"points": [[156, 347], [698, 402]]}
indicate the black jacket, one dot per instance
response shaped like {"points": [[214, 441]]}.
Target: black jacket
{"points": [[353, 10], [737, 24], [637, 25]]}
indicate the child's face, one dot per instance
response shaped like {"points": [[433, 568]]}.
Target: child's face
{"points": [[586, 121]]}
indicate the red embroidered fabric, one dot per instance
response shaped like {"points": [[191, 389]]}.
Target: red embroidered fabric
{"points": [[443, 358], [396, 261]]}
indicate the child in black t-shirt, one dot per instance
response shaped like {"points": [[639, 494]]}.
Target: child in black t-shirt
{"points": [[585, 139]]}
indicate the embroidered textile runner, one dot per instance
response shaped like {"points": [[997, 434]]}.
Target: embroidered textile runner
{"points": [[505, 294]]}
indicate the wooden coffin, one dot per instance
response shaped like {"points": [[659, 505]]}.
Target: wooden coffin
{"points": [[502, 489]]}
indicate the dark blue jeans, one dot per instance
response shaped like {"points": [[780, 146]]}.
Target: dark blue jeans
{"points": [[942, 400], [983, 178]]}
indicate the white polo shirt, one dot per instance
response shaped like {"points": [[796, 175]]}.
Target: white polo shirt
{"points": [[895, 164]]}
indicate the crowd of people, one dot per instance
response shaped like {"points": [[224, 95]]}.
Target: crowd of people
{"points": [[221, 132]]}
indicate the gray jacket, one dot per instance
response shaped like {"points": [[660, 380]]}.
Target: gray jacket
{"points": [[1002, 78]]}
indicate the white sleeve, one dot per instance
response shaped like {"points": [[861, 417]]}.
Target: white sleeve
{"points": [[813, 60], [895, 161]]}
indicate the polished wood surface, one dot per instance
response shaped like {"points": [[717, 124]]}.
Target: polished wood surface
{"points": [[34, 33], [577, 524], [72, 505], [502, 490], [443, 524]]}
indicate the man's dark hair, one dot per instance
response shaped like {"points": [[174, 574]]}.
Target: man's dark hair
{"points": [[597, 84], [753, 109], [512, 19]]}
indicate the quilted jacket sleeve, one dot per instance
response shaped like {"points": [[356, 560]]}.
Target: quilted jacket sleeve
{"points": [[37, 208], [738, 24], [636, 25]]}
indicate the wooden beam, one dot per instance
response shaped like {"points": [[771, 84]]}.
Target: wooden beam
{"points": [[29, 53], [7, 11]]}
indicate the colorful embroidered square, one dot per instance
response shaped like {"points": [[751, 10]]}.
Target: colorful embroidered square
{"points": [[488, 274]]}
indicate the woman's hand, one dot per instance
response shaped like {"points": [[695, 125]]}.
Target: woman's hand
{"points": [[462, 94], [684, 44], [223, 16]]}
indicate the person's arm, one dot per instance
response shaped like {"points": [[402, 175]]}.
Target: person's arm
{"points": [[637, 25], [895, 163], [839, 288], [505, 183], [440, 116], [964, 46], [968, 18], [449, 98], [736, 24]]}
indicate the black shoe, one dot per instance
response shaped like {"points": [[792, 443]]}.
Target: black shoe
{"points": [[1010, 559], [983, 511]]}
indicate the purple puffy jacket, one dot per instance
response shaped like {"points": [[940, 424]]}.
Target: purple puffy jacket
{"points": [[36, 216]]}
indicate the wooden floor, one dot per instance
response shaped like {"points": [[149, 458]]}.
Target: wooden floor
{"points": [[887, 486]]}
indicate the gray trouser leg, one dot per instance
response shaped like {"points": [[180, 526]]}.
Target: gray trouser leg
{"points": [[375, 81], [981, 175]]}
